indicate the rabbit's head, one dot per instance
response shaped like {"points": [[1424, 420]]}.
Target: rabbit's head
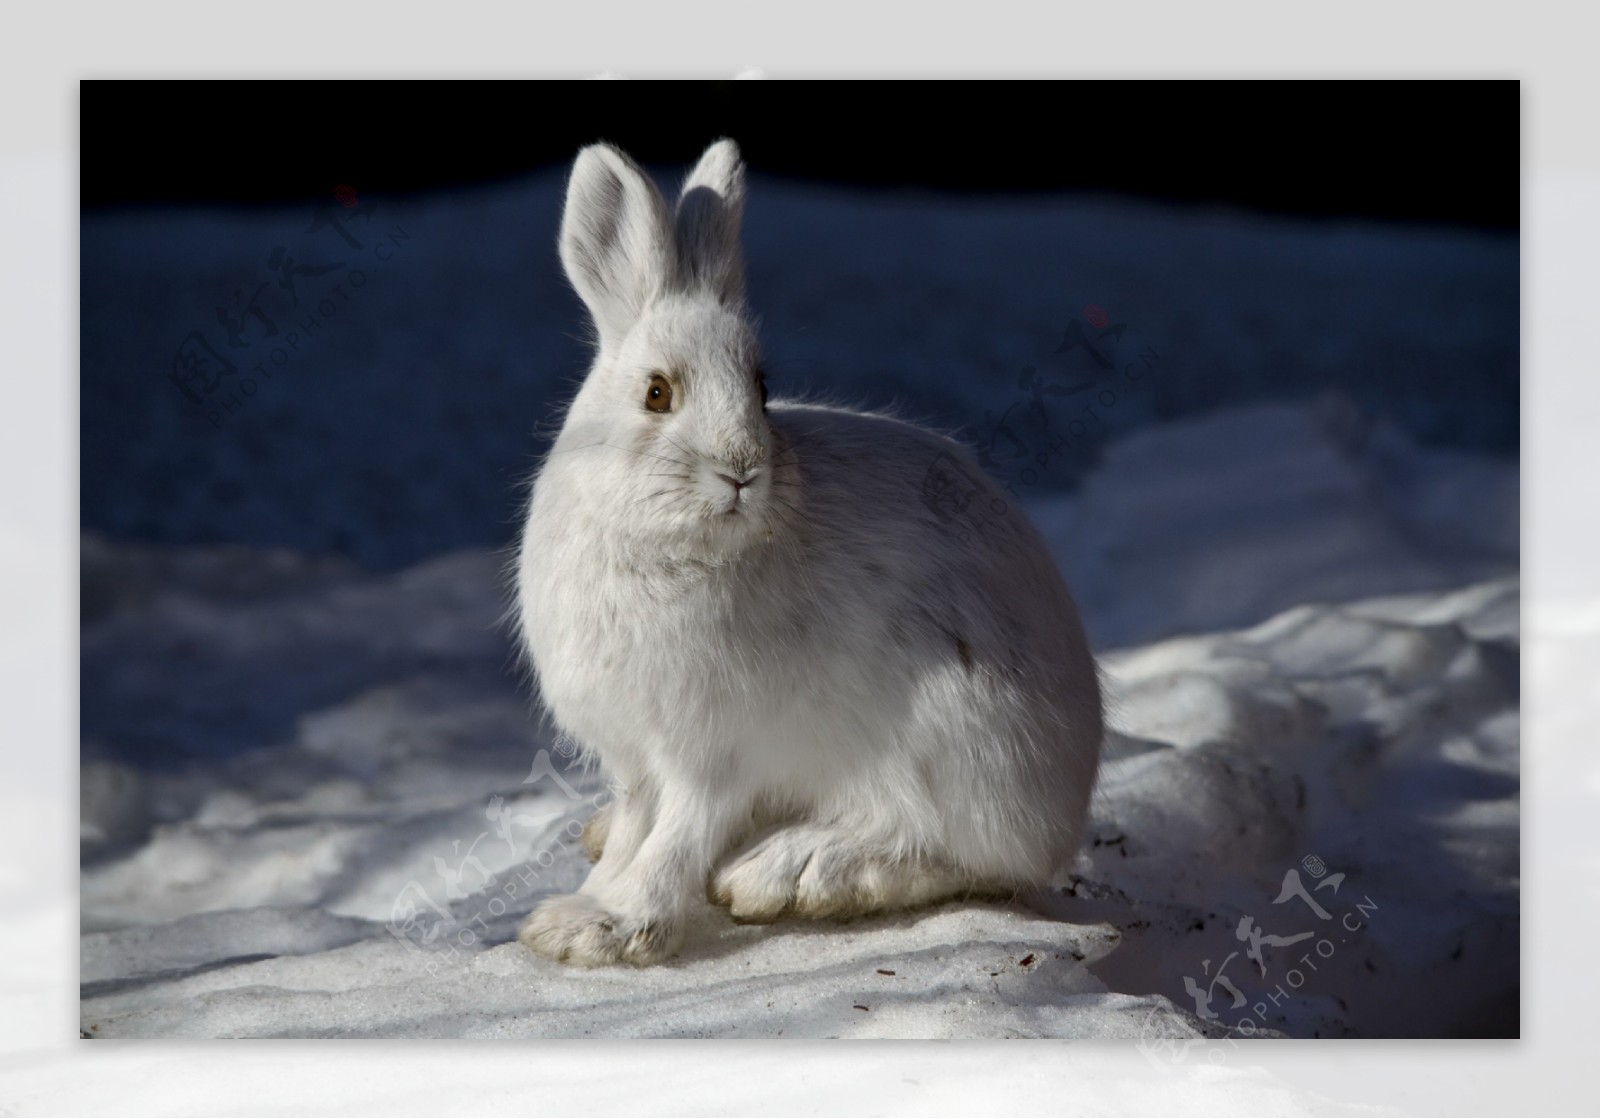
{"points": [[669, 431]]}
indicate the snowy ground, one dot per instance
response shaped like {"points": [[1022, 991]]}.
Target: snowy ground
{"points": [[315, 802]]}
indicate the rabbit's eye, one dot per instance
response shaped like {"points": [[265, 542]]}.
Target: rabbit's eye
{"points": [[658, 397]]}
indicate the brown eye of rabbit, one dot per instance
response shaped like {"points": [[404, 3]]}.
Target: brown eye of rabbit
{"points": [[658, 397]]}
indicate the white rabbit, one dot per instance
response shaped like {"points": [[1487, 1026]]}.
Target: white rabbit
{"points": [[818, 685]]}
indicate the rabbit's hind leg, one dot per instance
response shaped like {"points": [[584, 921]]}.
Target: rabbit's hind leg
{"points": [[809, 870]]}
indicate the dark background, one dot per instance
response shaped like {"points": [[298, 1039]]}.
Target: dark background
{"points": [[909, 245], [1402, 151]]}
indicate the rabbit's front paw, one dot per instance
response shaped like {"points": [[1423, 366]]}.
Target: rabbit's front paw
{"points": [[575, 929]]}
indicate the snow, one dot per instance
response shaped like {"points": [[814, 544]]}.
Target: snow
{"points": [[316, 801]]}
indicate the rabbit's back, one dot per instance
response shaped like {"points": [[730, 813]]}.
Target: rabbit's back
{"points": [[910, 536]]}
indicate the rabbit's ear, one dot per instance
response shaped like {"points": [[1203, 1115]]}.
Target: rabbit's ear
{"points": [[616, 243], [709, 212]]}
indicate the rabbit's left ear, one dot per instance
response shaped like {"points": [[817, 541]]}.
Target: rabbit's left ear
{"points": [[707, 224]]}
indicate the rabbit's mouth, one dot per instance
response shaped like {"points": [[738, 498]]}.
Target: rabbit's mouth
{"points": [[736, 508], [729, 490], [736, 504]]}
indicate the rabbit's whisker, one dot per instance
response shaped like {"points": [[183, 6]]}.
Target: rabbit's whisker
{"points": [[648, 496]]}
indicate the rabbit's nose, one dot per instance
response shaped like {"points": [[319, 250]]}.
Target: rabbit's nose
{"points": [[740, 482]]}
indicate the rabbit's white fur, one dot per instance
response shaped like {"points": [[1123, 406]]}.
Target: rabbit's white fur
{"points": [[813, 695]]}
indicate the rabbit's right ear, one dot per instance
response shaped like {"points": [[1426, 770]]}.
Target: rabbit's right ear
{"points": [[616, 242]]}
